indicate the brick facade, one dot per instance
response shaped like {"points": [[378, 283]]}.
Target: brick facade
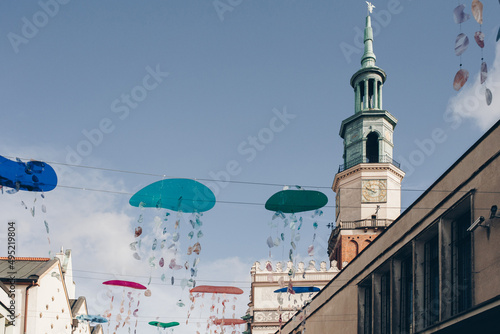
{"points": [[349, 246]]}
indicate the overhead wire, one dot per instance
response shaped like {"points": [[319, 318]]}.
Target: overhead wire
{"points": [[199, 179], [262, 204]]}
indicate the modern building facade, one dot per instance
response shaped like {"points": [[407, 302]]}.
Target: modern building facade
{"points": [[434, 268]]}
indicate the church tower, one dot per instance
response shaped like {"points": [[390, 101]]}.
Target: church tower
{"points": [[368, 184]]}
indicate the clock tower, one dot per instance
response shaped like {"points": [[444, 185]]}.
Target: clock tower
{"points": [[368, 184]]}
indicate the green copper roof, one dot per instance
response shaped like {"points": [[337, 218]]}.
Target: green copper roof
{"points": [[368, 59]]}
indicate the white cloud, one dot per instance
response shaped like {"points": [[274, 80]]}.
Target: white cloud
{"points": [[470, 102]]}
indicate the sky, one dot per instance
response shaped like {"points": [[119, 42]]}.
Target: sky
{"points": [[243, 96]]}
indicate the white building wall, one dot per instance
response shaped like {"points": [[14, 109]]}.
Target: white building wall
{"points": [[52, 313], [267, 306], [67, 268]]}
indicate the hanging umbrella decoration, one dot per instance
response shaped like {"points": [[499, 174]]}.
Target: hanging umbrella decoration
{"points": [[164, 325], [92, 318], [297, 291], [31, 176], [220, 301], [162, 247], [293, 202], [128, 295], [228, 322]]}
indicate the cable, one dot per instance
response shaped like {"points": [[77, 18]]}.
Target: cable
{"points": [[263, 204], [163, 176], [147, 276]]}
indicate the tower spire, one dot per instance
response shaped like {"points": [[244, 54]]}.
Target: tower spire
{"points": [[368, 59]]}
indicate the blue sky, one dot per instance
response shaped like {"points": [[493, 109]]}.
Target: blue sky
{"points": [[183, 89]]}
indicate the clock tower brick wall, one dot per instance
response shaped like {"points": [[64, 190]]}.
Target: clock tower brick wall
{"points": [[349, 246]]}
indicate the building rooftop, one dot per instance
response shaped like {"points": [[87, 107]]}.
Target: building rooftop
{"points": [[75, 305], [25, 268]]}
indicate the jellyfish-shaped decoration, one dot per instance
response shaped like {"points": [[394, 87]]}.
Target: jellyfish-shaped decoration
{"points": [[219, 300], [123, 317], [226, 322], [294, 201], [92, 318], [161, 244], [299, 289], [29, 176], [230, 290], [229, 322], [163, 324], [126, 284], [33, 176]]}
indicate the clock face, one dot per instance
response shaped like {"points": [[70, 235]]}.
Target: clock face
{"points": [[374, 191]]}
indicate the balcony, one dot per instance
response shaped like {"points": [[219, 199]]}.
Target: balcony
{"points": [[364, 223], [361, 224], [365, 159]]}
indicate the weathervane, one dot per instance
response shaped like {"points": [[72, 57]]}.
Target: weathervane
{"points": [[370, 7]]}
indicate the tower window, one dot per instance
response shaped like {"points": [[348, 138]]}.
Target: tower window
{"points": [[372, 147], [371, 85], [362, 97]]}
